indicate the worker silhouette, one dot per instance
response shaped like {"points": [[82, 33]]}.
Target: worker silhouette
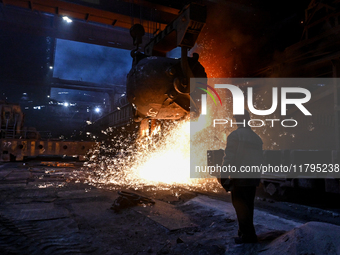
{"points": [[244, 148]]}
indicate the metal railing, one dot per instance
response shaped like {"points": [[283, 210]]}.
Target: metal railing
{"points": [[24, 134]]}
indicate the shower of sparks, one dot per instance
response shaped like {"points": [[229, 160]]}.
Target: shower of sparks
{"points": [[158, 161]]}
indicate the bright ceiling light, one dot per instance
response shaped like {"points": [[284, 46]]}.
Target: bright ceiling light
{"points": [[67, 19]]}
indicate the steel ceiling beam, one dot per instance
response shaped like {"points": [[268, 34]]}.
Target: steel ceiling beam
{"points": [[17, 20], [85, 13]]}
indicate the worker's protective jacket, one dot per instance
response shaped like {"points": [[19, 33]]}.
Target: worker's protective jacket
{"points": [[244, 148]]}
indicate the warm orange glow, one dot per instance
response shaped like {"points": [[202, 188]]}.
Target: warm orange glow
{"points": [[159, 165], [170, 163]]}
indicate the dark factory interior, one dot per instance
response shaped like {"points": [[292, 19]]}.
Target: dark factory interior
{"points": [[122, 122]]}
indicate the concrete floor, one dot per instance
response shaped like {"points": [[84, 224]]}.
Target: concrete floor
{"points": [[43, 210]]}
